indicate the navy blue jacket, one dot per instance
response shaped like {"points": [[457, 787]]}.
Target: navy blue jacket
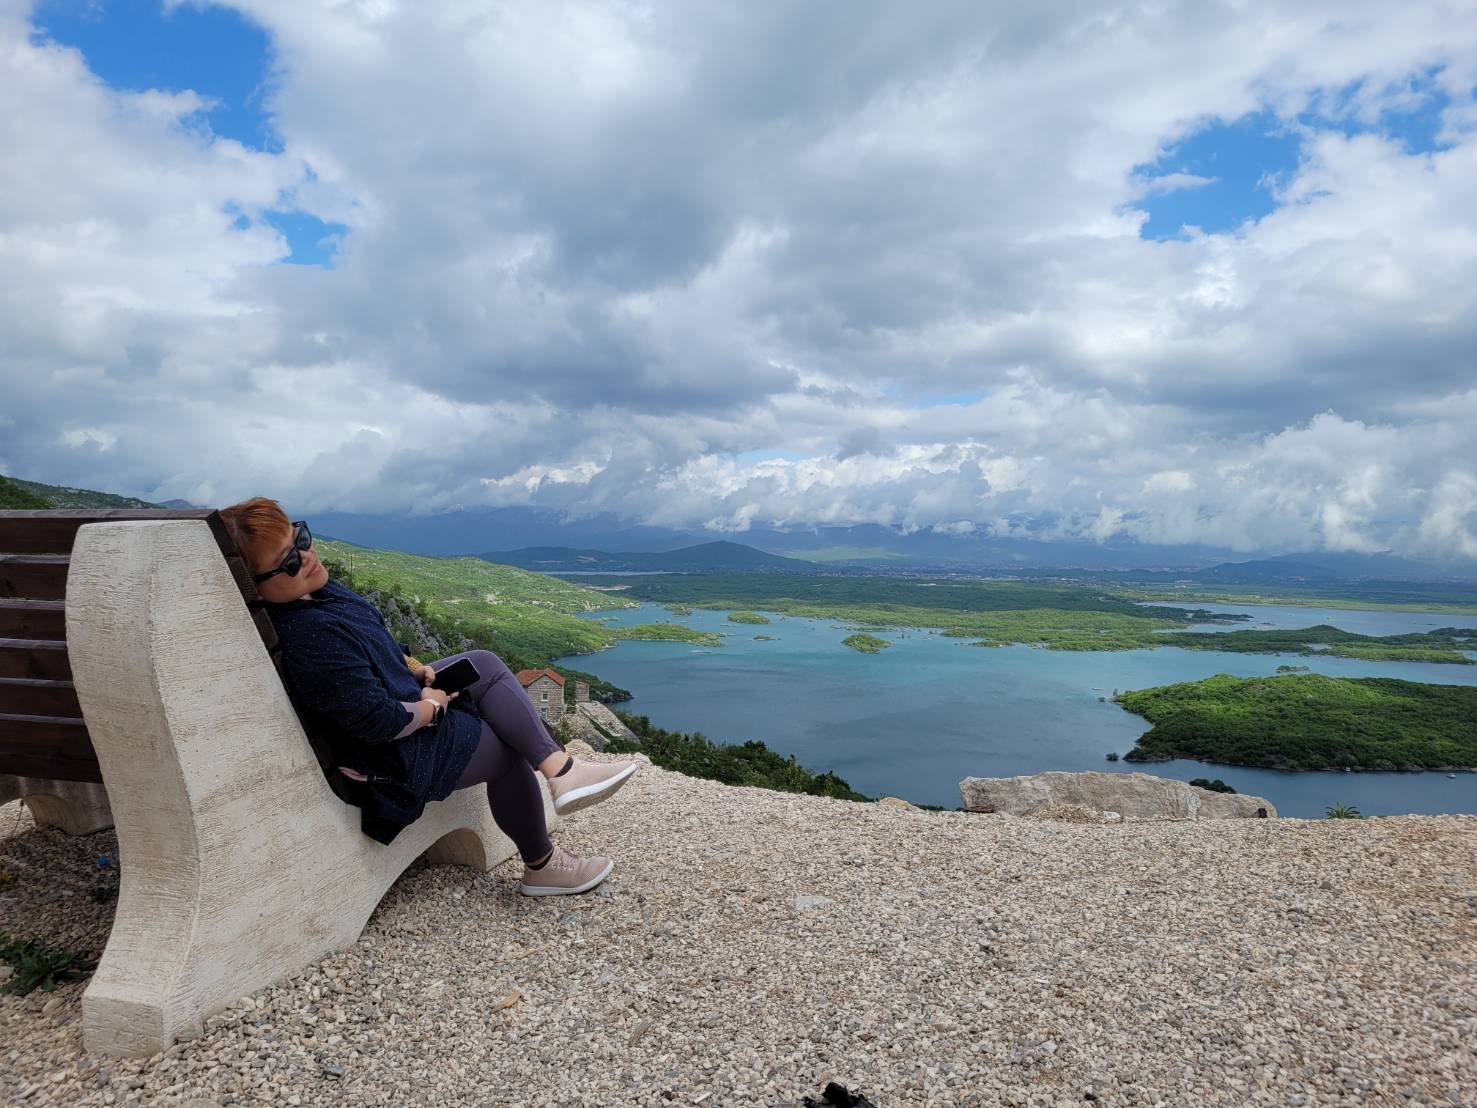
{"points": [[347, 678]]}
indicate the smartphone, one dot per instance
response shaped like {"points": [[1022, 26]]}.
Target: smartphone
{"points": [[456, 677]]}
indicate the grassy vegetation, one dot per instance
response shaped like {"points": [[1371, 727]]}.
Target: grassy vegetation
{"points": [[510, 611], [1442, 645], [865, 644], [514, 612], [433, 633], [1216, 786], [1309, 721], [60, 496], [747, 617], [1059, 617], [37, 965], [13, 497], [751, 763], [1389, 596], [667, 632], [1004, 613]]}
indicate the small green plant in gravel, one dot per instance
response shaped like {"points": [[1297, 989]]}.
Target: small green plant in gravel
{"points": [[1343, 811], [34, 964]]}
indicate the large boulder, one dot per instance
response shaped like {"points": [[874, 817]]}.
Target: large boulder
{"points": [[1131, 795]]}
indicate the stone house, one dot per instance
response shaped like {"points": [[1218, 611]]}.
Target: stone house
{"points": [[546, 689]]}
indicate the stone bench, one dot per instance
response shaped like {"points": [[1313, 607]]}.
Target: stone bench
{"points": [[137, 683]]}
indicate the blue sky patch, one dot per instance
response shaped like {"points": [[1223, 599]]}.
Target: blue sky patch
{"points": [[135, 45], [1226, 173], [1237, 161], [313, 241]]}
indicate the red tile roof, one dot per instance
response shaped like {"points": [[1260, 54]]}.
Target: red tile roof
{"points": [[527, 677]]}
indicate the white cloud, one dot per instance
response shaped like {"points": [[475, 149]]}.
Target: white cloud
{"points": [[600, 254], [1174, 182]]}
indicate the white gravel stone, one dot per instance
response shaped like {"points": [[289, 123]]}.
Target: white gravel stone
{"points": [[965, 960]]}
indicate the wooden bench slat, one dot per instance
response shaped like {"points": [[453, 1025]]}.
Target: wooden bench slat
{"points": [[30, 696], [34, 576], [33, 619], [41, 659], [46, 746], [40, 734], [52, 531]]}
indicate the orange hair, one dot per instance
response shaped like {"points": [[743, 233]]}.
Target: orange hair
{"points": [[254, 524]]}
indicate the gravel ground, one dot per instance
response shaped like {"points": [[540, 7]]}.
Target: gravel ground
{"points": [[753, 945]]}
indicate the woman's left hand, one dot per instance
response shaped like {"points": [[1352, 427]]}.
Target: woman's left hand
{"points": [[425, 675]]}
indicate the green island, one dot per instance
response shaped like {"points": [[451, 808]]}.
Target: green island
{"points": [[747, 617], [865, 643], [1445, 644], [679, 609], [766, 638], [667, 632], [1388, 596], [1306, 721]]}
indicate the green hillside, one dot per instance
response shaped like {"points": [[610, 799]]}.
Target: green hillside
{"points": [[60, 496], [520, 614], [12, 496]]}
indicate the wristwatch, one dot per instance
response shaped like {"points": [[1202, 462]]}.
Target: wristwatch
{"points": [[437, 711]]}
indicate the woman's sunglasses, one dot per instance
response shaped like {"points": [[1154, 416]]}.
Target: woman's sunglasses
{"points": [[302, 538]]}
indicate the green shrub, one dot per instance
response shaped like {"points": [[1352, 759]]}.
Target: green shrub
{"points": [[37, 965], [1216, 786], [751, 763]]}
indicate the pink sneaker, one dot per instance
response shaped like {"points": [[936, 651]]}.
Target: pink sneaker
{"points": [[587, 783], [564, 874]]}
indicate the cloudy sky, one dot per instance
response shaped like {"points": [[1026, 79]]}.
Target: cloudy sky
{"points": [[1171, 272]]}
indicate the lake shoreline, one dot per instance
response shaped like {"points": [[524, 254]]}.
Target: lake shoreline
{"points": [[1012, 711]]}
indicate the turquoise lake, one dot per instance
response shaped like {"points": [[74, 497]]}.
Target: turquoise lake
{"points": [[915, 719]]}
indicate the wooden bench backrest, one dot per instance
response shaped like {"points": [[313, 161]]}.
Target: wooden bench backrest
{"points": [[42, 733]]}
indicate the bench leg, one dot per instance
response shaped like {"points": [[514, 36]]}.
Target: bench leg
{"points": [[239, 867], [76, 807]]}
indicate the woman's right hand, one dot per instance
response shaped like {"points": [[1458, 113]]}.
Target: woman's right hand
{"points": [[441, 698]]}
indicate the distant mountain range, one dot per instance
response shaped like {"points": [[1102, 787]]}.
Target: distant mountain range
{"points": [[1294, 569], [708, 557], [526, 536]]}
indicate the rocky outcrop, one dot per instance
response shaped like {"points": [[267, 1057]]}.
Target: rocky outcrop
{"points": [[606, 720], [1131, 795]]}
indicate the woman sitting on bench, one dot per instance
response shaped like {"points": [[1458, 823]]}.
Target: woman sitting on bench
{"points": [[406, 742]]}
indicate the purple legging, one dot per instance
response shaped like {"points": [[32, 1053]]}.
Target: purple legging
{"points": [[514, 740]]}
